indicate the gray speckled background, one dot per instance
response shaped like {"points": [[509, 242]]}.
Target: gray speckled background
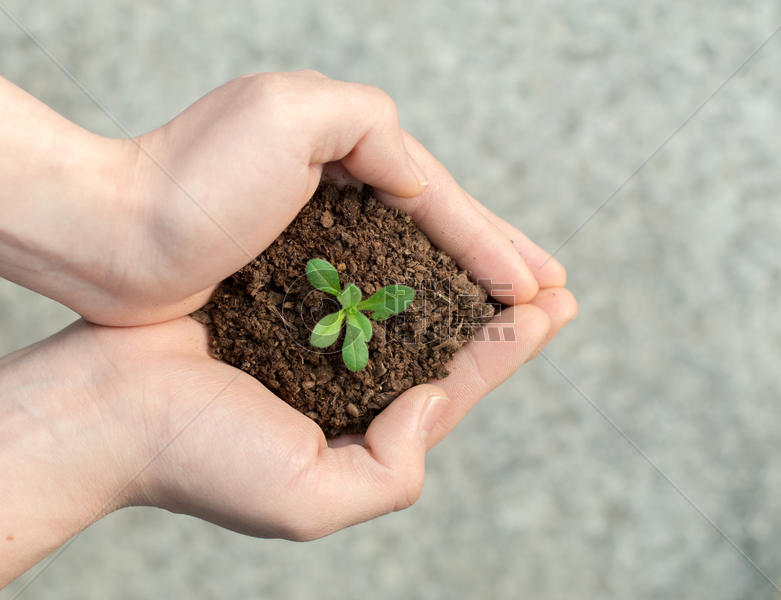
{"points": [[541, 109]]}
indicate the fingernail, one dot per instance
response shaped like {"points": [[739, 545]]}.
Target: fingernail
{"points": [[431, 413], [419, 174]]}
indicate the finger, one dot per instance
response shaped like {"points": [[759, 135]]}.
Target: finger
{"points": [[560, 306], [355, 483], [312, 73], [448, 217], [355, 123], [546, 269], [506, 342]]}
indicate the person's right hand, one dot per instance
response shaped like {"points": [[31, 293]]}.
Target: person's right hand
{"points": [[97, 418]]}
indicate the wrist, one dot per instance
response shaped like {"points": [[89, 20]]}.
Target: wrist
{"points": [[65, 217], [62, 198], [65, 460]]}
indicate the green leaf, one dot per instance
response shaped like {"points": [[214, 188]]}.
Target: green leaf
{"points": [[388, 301], [355, 353], [327, 330], [350, 296], [323, 276], [360, 321]]}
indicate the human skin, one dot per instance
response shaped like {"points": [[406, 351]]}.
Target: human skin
{"points": [[126, 407]]}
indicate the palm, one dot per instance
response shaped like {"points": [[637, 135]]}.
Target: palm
{"points": [[223, 447]]}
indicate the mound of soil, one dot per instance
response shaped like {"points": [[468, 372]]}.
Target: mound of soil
{"points": [[261, 317]]}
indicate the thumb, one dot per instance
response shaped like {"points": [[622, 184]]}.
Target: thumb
{"points": [[359, 482], [358, 125], [381, 159], [397, 436]]}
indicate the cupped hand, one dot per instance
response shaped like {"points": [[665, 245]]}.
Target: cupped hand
{"points": [[207, 192], [191, 434]]}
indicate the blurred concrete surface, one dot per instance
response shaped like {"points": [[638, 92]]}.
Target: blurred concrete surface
{"points": [[542, 110]]}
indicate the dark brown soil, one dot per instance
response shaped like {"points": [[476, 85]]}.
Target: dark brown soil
{"points": [[260, 318]]}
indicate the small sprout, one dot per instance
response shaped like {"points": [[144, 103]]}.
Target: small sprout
{"points": [[350, 296], [388, 301], [323, 276], [385, 302], [327, 330], [355, 352]]}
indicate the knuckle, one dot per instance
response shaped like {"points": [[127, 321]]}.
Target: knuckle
{"points": [[387, 108], [269, 86], [300, 520], [271, 98], [410, 489], [301, 530], [312, 73], [384, 171]]}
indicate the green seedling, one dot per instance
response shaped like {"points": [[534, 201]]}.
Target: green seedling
{"points": [[385, 302]]}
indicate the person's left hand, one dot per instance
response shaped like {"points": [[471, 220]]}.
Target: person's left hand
{"points": [[162, 219]]}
